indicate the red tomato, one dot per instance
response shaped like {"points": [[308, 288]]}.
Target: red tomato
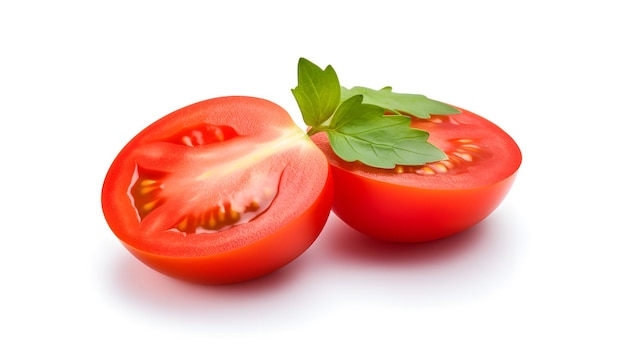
{"points": [[221, 191], [413, 204]]}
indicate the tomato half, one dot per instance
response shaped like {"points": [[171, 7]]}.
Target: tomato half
{"points": [[221, 191], [414, 204]]}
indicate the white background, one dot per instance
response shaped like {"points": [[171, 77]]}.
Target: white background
{"points": [[544, 271]]}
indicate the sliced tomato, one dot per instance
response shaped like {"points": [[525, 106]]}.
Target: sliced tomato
{"points": [[221, 191], [413, 204]]}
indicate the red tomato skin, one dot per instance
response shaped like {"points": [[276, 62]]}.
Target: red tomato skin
{"points": [[402, 214], [249, 262]]}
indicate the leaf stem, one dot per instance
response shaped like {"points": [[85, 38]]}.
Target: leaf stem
{"points": [[315, 130]]}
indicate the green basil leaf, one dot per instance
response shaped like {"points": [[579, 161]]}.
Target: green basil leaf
{"points": [[398, 103], [318, 92], [361, 132]]}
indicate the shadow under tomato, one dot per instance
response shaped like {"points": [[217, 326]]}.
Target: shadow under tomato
{"points": [[463, 267], [342, 265], [271, 301], [348, 244], [137, 277]]}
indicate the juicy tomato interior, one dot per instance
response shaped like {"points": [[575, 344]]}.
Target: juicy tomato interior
{"points": [[218, 180], [479, 153], [419, 203]]}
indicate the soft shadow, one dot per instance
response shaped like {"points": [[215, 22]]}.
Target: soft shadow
{"points": [[253, 302], [340, 266], [463, 267], [142, 280], [350, 245]]}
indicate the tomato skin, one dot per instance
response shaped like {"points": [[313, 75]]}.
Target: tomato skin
{"points": [[410, 208], [259, 259], [398, 213], [234, 142]]}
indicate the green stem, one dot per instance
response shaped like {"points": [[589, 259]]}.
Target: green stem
{"points": [[314, 130]]}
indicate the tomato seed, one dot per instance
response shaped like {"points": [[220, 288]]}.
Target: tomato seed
{"points": [[186, 140], [219, 135], [465, 156], [440, 168], [425, 170], [234, 215], [150, 206], [448, 164], [147, 182]]}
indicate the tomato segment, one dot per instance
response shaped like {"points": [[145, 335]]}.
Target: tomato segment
{"points": [[420, 203], [203, 134], [220, 191]]}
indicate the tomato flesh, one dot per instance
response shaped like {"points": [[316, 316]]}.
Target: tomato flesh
{"points": [[221, 191], [421, 203]]}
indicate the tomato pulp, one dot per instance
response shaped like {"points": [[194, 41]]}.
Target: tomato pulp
{"points": [[221, 191], [414, 204]]}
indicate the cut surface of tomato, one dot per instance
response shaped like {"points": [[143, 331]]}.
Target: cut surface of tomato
{"points": [[221, 191], [421, 203]]}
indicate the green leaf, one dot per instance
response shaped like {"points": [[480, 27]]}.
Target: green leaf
{"points": [[318, 92], [400, 104], [357, 121], [362, 132]]}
